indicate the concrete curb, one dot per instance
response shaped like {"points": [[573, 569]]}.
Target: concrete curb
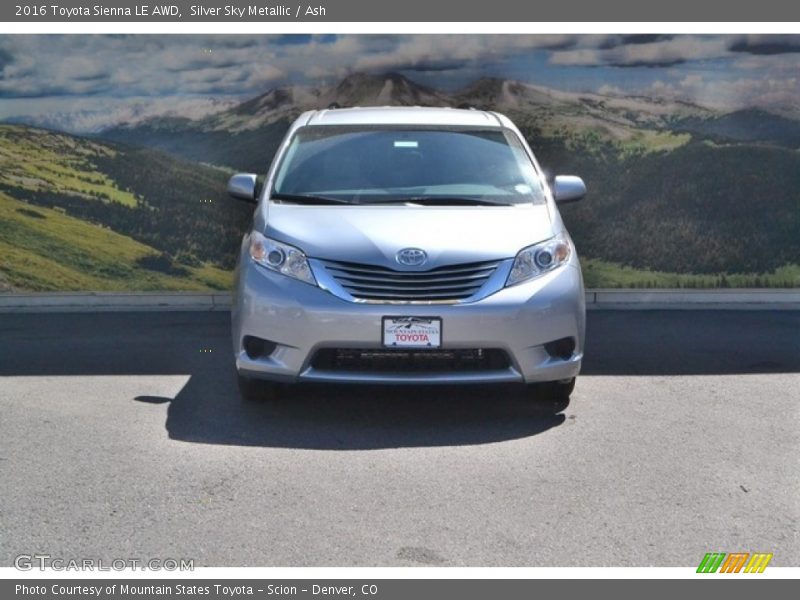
{"points": [[681, 299], [115, 301], [598, 299]]}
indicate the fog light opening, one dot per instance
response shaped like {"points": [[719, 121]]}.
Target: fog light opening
{"points": [[562, 348], [255, 347]]}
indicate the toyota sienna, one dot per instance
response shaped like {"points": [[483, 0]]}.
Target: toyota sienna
{"points": [[407, 246]]}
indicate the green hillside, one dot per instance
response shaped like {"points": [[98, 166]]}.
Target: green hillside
{"points": [[664, 210], [77, 214], [604, 274], [43, 249], [695, 209], [248, 150], [43, 161]]}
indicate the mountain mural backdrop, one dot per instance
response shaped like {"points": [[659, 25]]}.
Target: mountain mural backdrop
{"points": [[681, 193]]}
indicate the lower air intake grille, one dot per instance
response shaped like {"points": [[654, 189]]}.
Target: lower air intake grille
{"points": [[393, 360]]}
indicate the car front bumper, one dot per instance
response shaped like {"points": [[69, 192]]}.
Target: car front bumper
{"points": [[303, 319]]}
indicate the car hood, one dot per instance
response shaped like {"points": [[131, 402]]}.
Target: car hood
{"points": [[374, 234]]}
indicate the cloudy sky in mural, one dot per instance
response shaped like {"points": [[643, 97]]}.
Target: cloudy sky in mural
{"points": [[96, 81]]}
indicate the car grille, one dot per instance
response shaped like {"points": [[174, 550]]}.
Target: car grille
{"points": [[395, 360], [374, 283]]}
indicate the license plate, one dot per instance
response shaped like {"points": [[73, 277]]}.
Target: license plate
{"points": [[412, 332]]}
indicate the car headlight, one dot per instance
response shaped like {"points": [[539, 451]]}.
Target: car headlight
{"points": [[280, 257], [538, 259]]}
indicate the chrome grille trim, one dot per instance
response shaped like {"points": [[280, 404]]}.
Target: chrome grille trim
{"points": [[439, 271], [377, 284]]}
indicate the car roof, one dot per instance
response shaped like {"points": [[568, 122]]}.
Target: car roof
{"points": [[405, 115]]}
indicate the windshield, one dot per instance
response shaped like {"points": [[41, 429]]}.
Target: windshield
{"points": [[369, 164]]}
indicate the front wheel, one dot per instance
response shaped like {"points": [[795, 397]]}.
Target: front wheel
{"points": [[257, 390]]}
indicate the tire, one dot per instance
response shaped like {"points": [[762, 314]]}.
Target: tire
{"points": [[257, 390], [557, 391]]}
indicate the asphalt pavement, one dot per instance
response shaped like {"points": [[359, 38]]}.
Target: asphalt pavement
{"points": [[122, 436]]}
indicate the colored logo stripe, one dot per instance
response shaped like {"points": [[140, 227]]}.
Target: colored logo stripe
{"points": [[758, 562], [734, 562], [711, 562]]}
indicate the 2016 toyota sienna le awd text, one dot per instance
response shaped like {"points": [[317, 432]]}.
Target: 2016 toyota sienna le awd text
{"points": [[407, 245]]}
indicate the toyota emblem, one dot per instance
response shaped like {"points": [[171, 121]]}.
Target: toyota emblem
{"points": [[412, 257]]}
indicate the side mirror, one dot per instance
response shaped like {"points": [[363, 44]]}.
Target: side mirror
{"points": [[568, 188], [243, 187]]}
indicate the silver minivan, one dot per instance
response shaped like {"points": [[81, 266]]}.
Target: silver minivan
{"points": [[407, 246]]}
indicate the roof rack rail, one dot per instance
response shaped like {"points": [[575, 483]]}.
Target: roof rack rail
{"points": [[466, 106], [333, 105]]}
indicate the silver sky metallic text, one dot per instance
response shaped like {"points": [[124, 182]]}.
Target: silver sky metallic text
{"points": [[240, 11]]}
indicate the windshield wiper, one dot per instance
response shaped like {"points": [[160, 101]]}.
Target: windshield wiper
{"points": [[308, 199], [438, 201]]}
